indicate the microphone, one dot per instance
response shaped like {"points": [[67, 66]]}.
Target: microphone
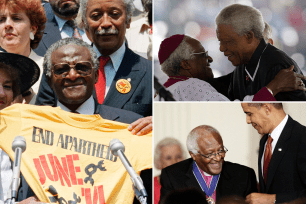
{"points": [[118, 149], [18, 146]]}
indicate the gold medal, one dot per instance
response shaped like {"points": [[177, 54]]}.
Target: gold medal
{"points": [[210, 200], [123, 86]]}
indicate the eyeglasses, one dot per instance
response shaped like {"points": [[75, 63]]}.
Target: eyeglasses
{"points": [[221, 153], [199, 53], [83, 68]]}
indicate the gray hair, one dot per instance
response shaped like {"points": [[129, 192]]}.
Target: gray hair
{"points": [[81, 18], [195, 134], [172, 65], [168, 141], [243, 19], [67, 41], [267, 34]]}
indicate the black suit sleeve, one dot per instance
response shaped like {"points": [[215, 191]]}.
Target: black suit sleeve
{"points": [[301, 167], [166, 186], [252, 183], [221, 84]]}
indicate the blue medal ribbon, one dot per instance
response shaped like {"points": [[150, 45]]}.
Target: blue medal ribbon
{"points": [[213, 183]]}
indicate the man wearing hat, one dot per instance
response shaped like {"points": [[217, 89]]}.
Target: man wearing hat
{"points": [[187, 64]]}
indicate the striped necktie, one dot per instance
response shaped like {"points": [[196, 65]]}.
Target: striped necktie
{"points": [[76, 33]]}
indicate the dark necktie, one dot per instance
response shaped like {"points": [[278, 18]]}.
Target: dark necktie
{"points": [[267, 158], [100, 85], [76, 33]]}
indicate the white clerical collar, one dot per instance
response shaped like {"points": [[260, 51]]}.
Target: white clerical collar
{"points": [[206, 174], [116, 57], [87, 108]]}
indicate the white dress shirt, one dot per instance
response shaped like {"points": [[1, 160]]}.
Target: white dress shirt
{"points": [[112, 65], [275, 136], [87, 108]]}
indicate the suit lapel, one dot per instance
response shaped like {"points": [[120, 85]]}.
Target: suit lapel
{"points": [[129, 69], [261, 150], [279, 151]]}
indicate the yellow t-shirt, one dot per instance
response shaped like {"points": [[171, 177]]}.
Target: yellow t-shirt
{"points": [[70, 152]]}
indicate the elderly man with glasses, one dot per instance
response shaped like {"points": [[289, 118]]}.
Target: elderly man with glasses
{"points": [[207, 170], [187, 64]]}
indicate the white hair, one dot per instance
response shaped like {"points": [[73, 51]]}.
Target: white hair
{"points": [[168, 141], [67, 41], [81, 17], [243, 19], [267, 34], [195, 134], [172, 65]]}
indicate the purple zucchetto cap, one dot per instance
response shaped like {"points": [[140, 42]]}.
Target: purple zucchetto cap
{"points": [[168, 46]]}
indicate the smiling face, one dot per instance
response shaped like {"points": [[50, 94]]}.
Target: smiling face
{"points": [[199, 66], [106, 24], [211, 143], [170, 154], [236, 48], [6, 89], [259, 118], [73, 89], [15, 28], [65, 9]]}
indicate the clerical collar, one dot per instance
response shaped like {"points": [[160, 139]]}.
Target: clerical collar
{"points": [[252, 66], [87, 108]]}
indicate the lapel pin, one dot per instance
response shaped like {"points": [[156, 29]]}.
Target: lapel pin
{"points": [[129, 79], [123, 86], [279, 149]]}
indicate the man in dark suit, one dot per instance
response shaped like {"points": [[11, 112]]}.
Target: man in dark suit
{"points": [[207, 165], [240, 32], [282, 154]]}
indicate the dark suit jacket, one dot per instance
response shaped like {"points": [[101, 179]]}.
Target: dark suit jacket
{"points": [[287, 168], [138, 100], [271, 62], [51, 33], [235, 179], [116, 114]]}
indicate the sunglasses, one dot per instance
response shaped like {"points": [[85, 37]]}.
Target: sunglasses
{"points": [[83, 68]]}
